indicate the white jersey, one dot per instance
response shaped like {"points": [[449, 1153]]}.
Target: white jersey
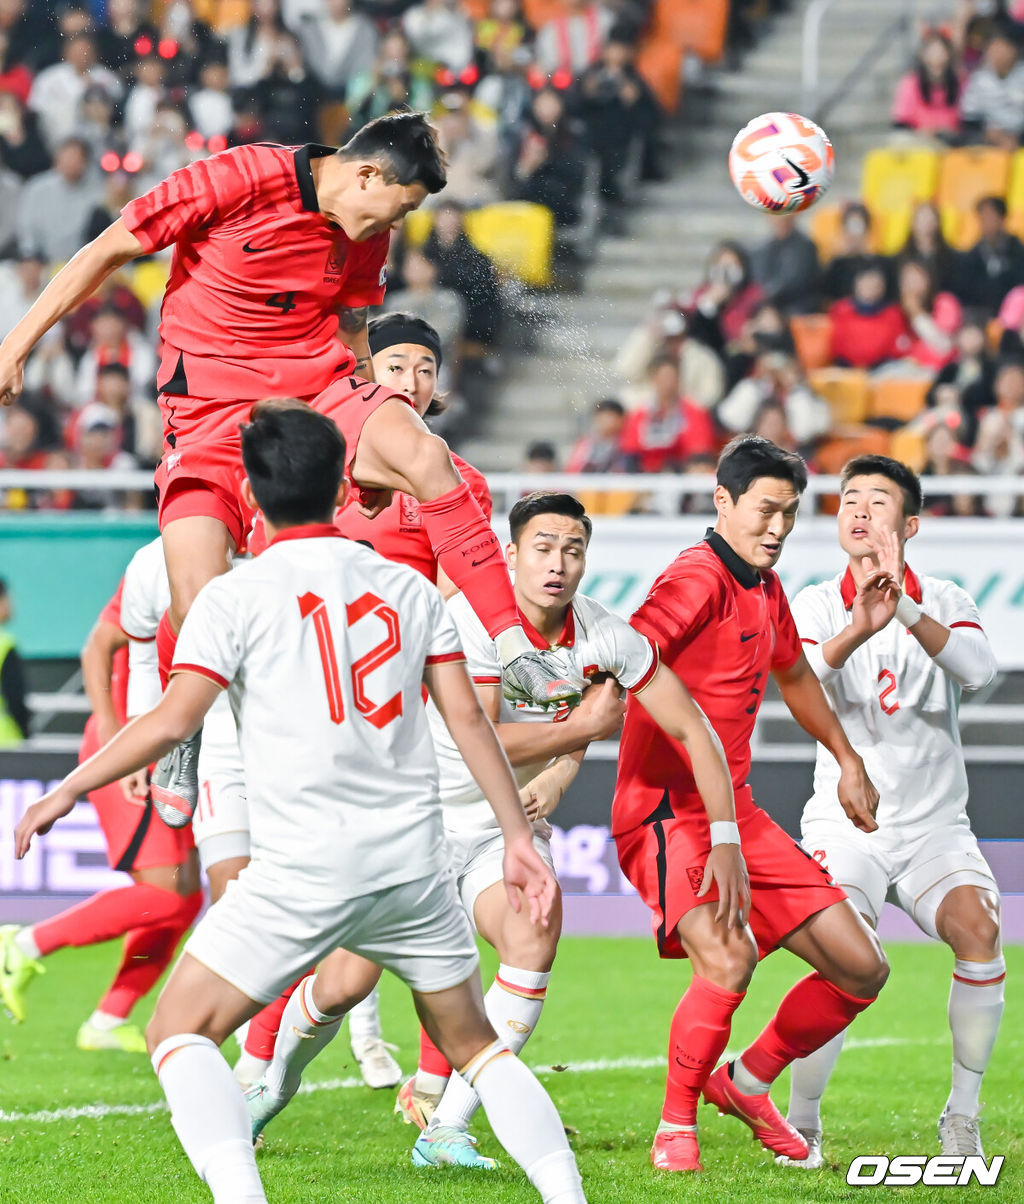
{"points": [[593, 640], [145, 597], [323, 644], [898, 708]]}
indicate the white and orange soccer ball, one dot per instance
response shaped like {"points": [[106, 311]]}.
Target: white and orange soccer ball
{"points": [[781, 162]]}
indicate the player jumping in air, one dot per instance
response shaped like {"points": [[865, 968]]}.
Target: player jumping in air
{"points": [[896, 688], [274, 249], [152, 912], [326, 647], [721, 621]]}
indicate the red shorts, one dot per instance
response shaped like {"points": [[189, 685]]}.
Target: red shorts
{"points": [[137, 838], [665, 862]]}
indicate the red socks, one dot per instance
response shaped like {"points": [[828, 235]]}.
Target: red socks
{"points": [[263, 1027], [432, 1060], [166, 641], [469, 552], [812, 1013], [697, 1039], [111, 914], [147, 953]]}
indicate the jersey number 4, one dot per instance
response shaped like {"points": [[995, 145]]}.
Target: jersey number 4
{"points": [[312, 607]]}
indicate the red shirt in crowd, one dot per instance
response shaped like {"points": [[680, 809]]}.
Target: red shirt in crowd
{"points": [[864, 340], [666, 440]]}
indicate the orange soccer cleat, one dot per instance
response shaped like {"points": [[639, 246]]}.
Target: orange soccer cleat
{"points": [[769, 1126]]}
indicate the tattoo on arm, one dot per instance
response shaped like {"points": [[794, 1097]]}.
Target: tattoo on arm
{"points": [[352, 321], [363, 366]]}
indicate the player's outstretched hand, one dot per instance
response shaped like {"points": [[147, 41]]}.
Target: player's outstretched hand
{"points": [[602, 710], [41, 817], [524, 871], [11, 377], [858, 796], [726, 868]]}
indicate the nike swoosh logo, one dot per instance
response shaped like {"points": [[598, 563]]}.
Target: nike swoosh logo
{"points": [[744, 638], [477, 563], [255, 250], [805, 179]]}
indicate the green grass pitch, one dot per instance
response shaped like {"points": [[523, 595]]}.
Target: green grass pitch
{"points": [[606, 1021]]}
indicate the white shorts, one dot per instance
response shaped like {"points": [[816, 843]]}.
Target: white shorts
{"points": [[916, 875], [477, 859], [264, 932], [221, 821]]}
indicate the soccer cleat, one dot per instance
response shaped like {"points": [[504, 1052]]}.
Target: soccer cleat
{"points": [[676, 1150], [174, 785], [448, 1146], [263, 1107], [814, 1160], [127, 1038], [960, 1135], [16, 971], [770, 1127], [377, 1066], [415, 1107], [532, 678], [249, 1070]]}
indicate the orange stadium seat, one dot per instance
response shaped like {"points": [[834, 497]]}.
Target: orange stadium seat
{"points": [[910, 447], [832, 455], [696, 25], [812, 334], [897, 398], [847, 391], [968, 174], [893, 181], [661, 65], [539, 12], [612, 503]]}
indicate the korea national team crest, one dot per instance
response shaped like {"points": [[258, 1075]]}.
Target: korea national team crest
{"points": [[409, 516], [332, 269]]}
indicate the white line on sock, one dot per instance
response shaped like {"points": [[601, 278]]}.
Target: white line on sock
{"points": [[102, 1111]]}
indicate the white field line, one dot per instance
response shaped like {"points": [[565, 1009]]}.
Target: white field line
{"points": [[102, 1111]]}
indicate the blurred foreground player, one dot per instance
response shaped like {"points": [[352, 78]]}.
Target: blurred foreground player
{"points": [[721, 621], [326, 647], [155, 911], [896, 688], [274, 248]]}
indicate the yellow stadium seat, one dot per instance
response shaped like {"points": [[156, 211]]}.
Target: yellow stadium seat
{"points": [[847, 391], [519, 236], [416, 226], [968, 174], [909, 447], [1015, 189], [891, 231], [894, 179], [812, 336], [149, 279], [826, 224], [898, 398], [1015, 222]]}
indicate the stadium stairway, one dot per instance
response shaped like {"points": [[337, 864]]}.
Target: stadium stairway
{"points": [[546, 395]]}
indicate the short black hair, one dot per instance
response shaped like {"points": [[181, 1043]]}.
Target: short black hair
{"points": [[294, 458], [991, 202], [544, 501], [405, 144], [894, 470], [114, 368], [747, 458], [541, 449], [609, 405]]}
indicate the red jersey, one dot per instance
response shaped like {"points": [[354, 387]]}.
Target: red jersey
{"points": [[257, 277], [667, 441], [111, 613], [398, 534], [721, 627]]}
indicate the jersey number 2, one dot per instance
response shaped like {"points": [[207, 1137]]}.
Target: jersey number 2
{"points": [[889, 678], [312, 607]]}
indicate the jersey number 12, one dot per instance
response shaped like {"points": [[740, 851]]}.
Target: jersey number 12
{"points": [[312, 607]]}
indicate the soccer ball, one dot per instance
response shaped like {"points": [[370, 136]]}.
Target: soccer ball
{"points": [[781, 162]]}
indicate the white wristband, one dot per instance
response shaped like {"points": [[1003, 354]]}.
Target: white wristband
{"points": [[723, 832], [907, 611]]}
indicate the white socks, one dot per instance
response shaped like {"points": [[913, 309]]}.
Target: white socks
{"points": [[364, 1018], [209, 1115], [26, 943], [304, 1032], [975, 1010], [526, 1123], [513, 1006], [745, 1081], [808, 1079]]}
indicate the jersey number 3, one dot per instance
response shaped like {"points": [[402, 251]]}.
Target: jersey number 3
{"points": [[887, 679], [312, 607]]}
